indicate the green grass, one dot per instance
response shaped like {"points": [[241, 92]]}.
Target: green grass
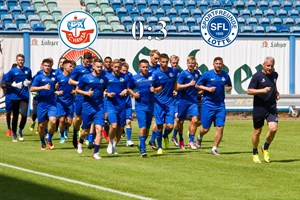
{"points": [[177, 174]]}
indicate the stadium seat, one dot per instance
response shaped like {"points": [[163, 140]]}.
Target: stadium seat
{"points": [[101, 20], [24, 3], [90, 4], [37, 3], [47, 19], [2, 3], [283, 29], [153, 4], [263, 5], [156, 28], [276, 22], [297, 21], [286, 5], [6, 18], [239, 5], [258, 29], [10, 27], [257, 14], [271, 29], [274, 5], [214, 4], [296, 5], [196, 13], [115, 4], [245, 13], [105, 28], [202, 4], [33, 19], [51, 27], [195, 29], [264, 22], [160, 12], [165, 4], [235, 12], [190, 4], [178, 4], [96, 11], [252, 21], [241, 21], [171, 29], [269, 13], [20, 19], [152, 21], [190, 21], [55, 11], [146, 12], [165, 19], [198, 20], [134, 12], [250, 5], [42, 11], [177, 21], [128, 28], [15, 10], [24, 27], [113, 20], [171, 13], [29, 11], [118, 28], [51, 3], [57, 19], [3, 10], [227, 4], [281, 14], [38, 27], [183, 29], [1, 27], [293, 13], [139, 19], [141, 4], [295, 29], [288, 21], [121, 12], [108, 12], [246, 29], [126, 20], [103, 4], [128, 4], [184, 13], [11, 3]]}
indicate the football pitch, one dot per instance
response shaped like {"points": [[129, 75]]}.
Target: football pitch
{"points": [[26, 172]]}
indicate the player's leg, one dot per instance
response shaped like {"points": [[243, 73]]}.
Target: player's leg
{"points": [[112, 117], [77, 119], [169, 121], [16, 107], [98, 139], [24, 109], [88, 116], [8, 109], [206, 122], [33, 114], [160, 120], [193, 113], [176, 121], [61, 115], [143, 121], [42, 118], [220, 118]]}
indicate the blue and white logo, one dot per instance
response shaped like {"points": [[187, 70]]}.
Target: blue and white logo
{"points": [[219, 27]]}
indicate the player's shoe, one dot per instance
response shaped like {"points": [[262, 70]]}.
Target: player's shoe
{"points": [[115, 151], [153, 145], [66, 134], [199, 142], [159, 151], [8, 132], [181, 144], [79, 147], [166, 143], [192, 145], [62, 140], [214, 152], [109, 149], [143, 154], [15, 139], [50, 145], [266, 155], [96, 156], [43, 147], [21, 139], [90, 145], [175, 141], [256, 159], [47, 135], [129, 143], [31, 129]]}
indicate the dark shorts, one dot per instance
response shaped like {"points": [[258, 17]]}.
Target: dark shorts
{"points": [[261, 114]]}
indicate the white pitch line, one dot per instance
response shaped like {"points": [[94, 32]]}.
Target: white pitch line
{"points": [[75, 182]]}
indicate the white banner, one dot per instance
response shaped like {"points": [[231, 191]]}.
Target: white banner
{"points": [[297, 63]]}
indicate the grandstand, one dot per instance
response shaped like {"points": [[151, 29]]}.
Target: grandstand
{"points": [[181, 16]]}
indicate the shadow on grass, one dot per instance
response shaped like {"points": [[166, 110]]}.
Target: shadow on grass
{"points": [[12, 188], [286, 160], [237, 152]]}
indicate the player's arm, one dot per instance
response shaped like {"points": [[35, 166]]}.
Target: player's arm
{"points": [[39, 88], [73, 82], [183, 86], [136, 95], [86, 93], [205, 88], [252, 91]]}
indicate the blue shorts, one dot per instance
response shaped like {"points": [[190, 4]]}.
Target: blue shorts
{"points": [[176, 106], [164, 114], [144, 117], [8, 105], [261, 113], [116, 116], [184, 109], [199, 110], [92, 115], [216, 115], [78, 105], [129, 112], [45, 111], [65, 110]]}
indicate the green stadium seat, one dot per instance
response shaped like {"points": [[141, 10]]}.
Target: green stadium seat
{"points": [[101, 20], [118, 28], [96, 11], [105, 28], [113, 20], [42, 11], [51, 27], [47, 19]]}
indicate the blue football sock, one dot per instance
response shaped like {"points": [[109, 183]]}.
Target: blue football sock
{"points": [[96, 148], [43, 141], [153, 136], [62, 134], [159, 139], [128, 133], [175, 132], [20, 132], [46, 131], [266, 145], [143, 143], [50, 138], [90, 137], [192, 138], [180, 137], [87, 137], [166, 133]]}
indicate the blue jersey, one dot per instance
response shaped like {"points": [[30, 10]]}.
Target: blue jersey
{"points": [[128, 100], [167, 80], [153, 68], [19, 75], [59, 71], [63, 85], [98, 84], [107, 71], [8, 88], [142, 85], [189, 94], [211, 79], [78, 72], [47, 96], [53, 72], [117, 84]]}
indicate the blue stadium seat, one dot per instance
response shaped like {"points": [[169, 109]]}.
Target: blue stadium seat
{"points": [[153, 4], [246, 29], [156, 28], [257, 14], [214, 4], [190, 4], [196, 13], [288, 21], [296, 5], [128, 4], [283, 29], [6, 18], [38, 27], [258, 29], [252, 21], [297, 21], [295, 29], [198, 20], [15, 10], [274, 5], [264, 22], [250, 5], [183, 29], [177, 21], [159, 12], [263, 5], [269, 13], [195, 29], [146, 12], [166, 19], [241, 21], [276, 22], [141, 4], [33, 19], [24, 3], [286, 5], [271, 29], [1, 27], [134, 12], [202, 4], [235, 12], [245, 13], [171, 29], [29, 11], [128, 28], [190, 21], [24, 27], [171, 13], [3, 10], [115, 4], [293, 13], [2, 3], [177, 4], [121, 12], [206, 10], [165, 4], [183, 13], [11, 3], [139, 19], [227, 4], [239, 5], [20, 19], [152, 21], [10, 27], [281, 14]]}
